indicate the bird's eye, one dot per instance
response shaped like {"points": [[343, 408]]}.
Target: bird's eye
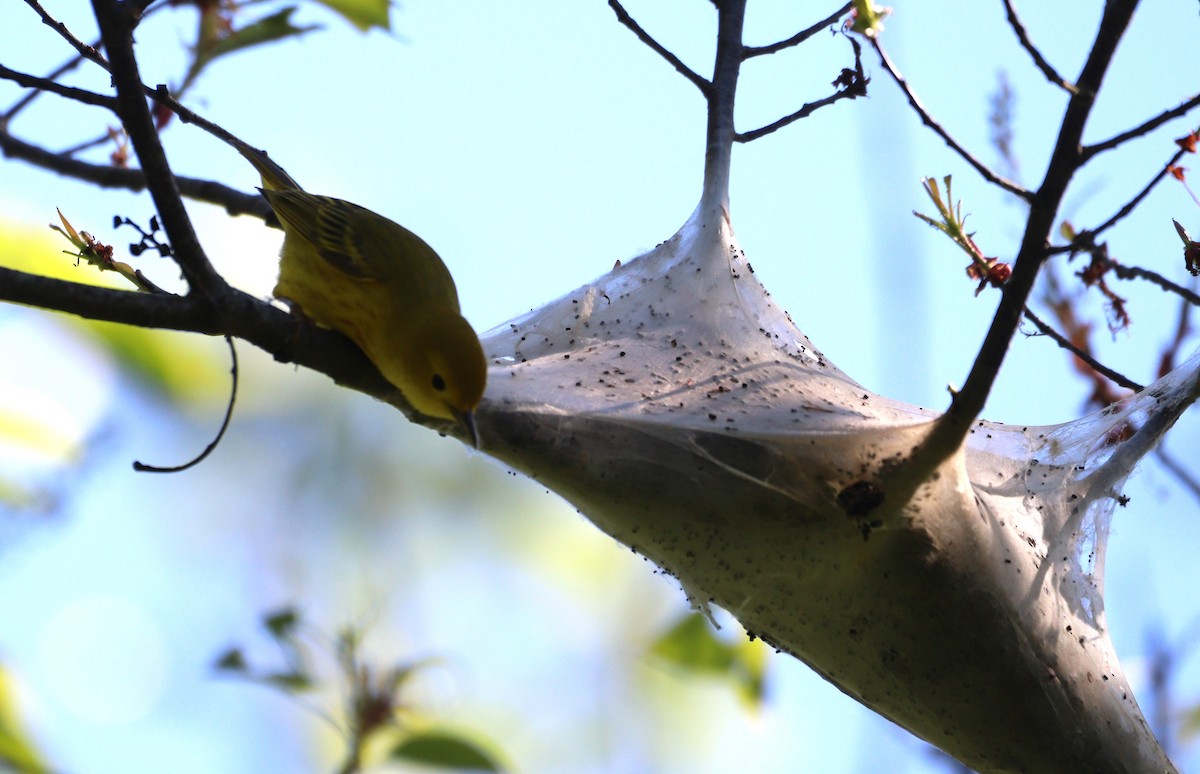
{"points": [[438, 382]]}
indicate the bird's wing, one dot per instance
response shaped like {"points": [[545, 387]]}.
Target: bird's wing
{"points": [[336, 230]]}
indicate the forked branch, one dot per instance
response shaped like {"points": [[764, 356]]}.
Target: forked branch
{"points": [[953, 426], [851, 84]]}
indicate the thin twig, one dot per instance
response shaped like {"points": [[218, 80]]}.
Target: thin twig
{"points": [[805, 110], [623, 16], [1022, 34], [1114, 376], [1137, 272], [53, 76], [1127, 208], [234, 201], [90, 53], [216, 441], [96, 142], [799, 37], [928, 120], [1144, 128], [53, 87]]}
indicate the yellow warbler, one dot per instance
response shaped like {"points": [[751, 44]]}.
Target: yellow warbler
{"points": [[379, 284]]}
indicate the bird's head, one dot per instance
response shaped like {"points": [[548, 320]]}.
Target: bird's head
{"points": [[449, 371]]}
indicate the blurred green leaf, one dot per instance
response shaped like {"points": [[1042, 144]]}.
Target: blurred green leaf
{"points": [[282, 623], [363, 14], [1190, 727], [693, 646], [232, 660], [444, 751], [17, 752], [288, 682], [277, 26], [34, 435], [752, 679], [868, 18]]}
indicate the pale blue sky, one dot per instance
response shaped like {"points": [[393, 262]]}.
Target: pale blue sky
{"points": [[534, 144]]}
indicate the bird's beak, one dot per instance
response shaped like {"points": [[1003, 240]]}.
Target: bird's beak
{"points": [[467, 420]]}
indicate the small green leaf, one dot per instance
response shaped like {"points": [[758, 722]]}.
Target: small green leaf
{"points": [[288, 682], [444, 751], [692, 645], [277, 26], [363, 14], [752, 672], [868, 18], [282, 623], [231, 660], [1190, 727]]}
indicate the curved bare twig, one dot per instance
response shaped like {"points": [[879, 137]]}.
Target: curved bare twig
{"points": [[1145, 127], [986, 172], [1039, 61], [90, 53], [701, 83], [799, 37]]}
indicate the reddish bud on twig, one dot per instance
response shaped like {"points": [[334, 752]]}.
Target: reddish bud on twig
{"points": [[995, 273], [1191, 250]]}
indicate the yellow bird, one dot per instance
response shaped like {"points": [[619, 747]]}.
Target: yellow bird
{"points": [[384, 288]]}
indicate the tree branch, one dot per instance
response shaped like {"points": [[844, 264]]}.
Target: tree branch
{"points": [[145, 310], [1022, 34], [116, 29], [1137, 272], [258, 322], [90, 53], [853, 84], [623, 16], [720, 130], [1145, 128], [799, 37], [928, 120], [953, 426]]}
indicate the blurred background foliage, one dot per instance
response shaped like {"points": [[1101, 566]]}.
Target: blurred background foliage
{"points": [[139, 624]]}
